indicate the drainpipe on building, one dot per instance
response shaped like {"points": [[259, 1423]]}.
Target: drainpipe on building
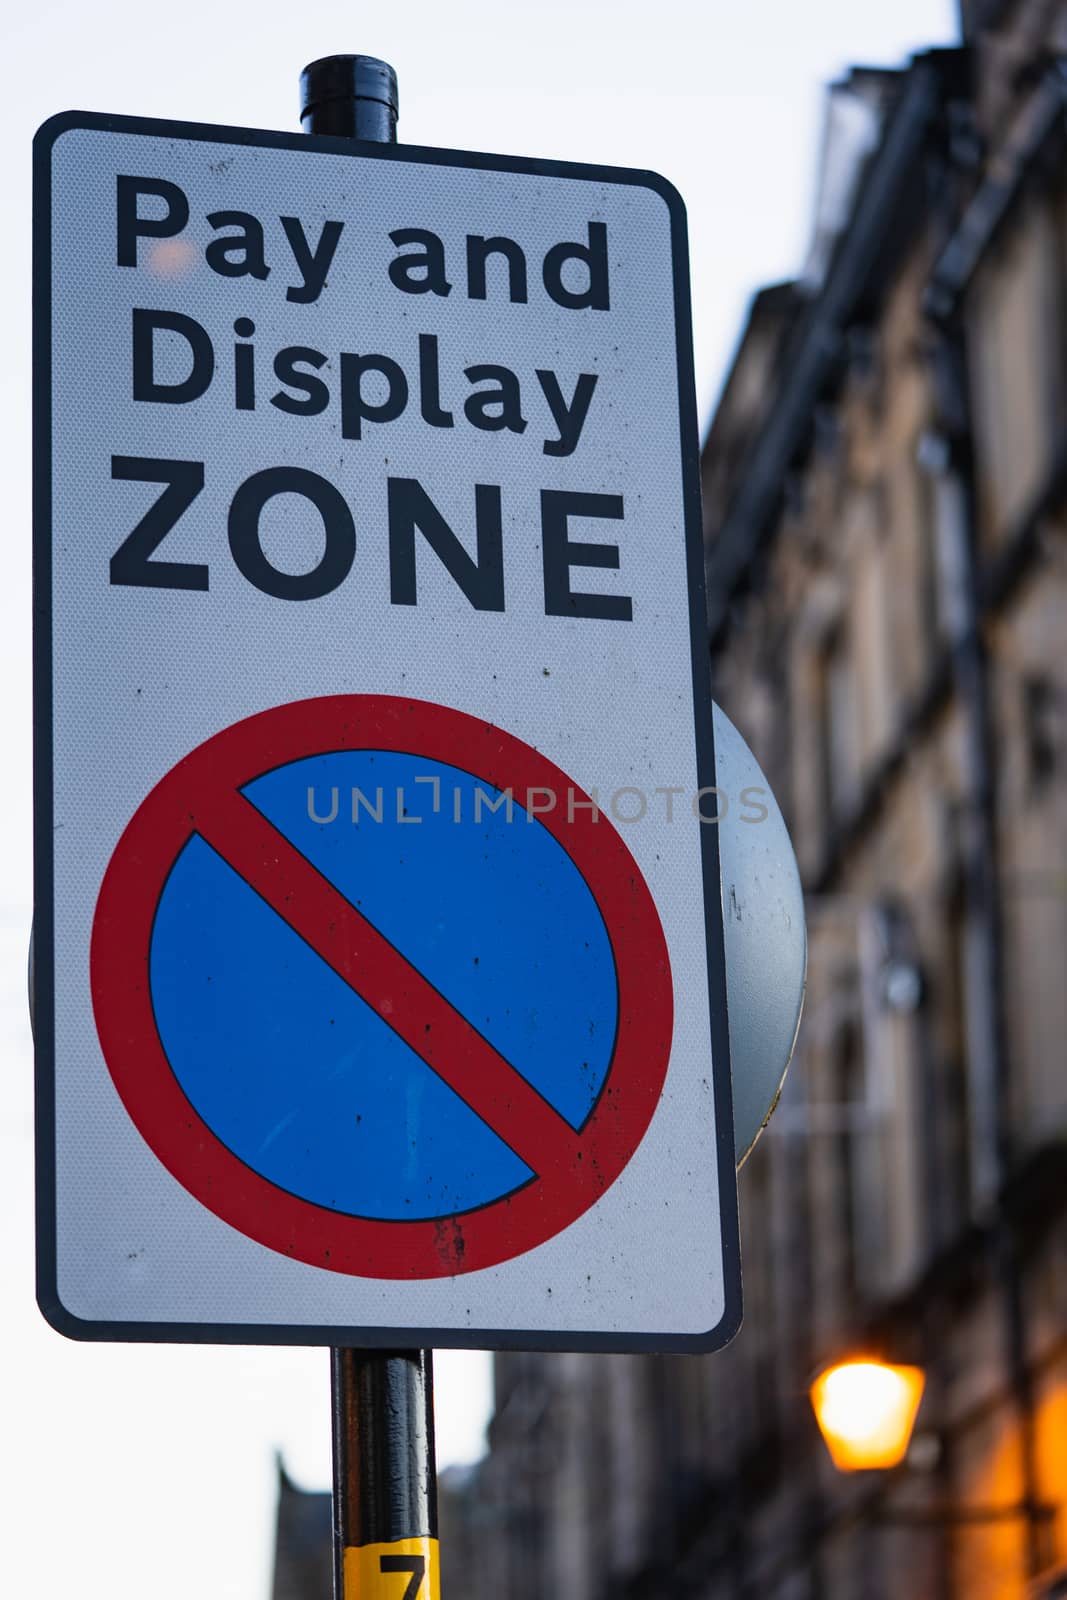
{"points": [[969, 240], [991, 1139]]}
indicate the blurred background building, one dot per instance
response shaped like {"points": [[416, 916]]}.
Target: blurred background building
{"points": [[885, 498], [303, 1542]]}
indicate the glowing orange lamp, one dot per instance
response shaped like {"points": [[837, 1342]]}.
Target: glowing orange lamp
{"points": [[866, 1411]]}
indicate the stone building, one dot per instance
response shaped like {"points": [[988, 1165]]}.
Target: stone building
{"points": [[885, 489], [303, 1542]]}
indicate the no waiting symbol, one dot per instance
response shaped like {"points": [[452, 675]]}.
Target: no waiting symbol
{"points": [[387, 1048]]}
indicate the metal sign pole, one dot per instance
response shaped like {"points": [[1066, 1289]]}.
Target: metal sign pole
{"points": [[384, 1473], [384, 1483]]}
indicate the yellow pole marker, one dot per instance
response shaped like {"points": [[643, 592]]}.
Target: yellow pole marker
{"points": [[405, 1569]]}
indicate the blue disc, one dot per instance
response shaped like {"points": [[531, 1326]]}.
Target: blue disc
{"points": [[302, 1079]]}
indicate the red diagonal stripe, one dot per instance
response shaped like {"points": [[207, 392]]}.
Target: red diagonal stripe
{"points": [[396, 990]]}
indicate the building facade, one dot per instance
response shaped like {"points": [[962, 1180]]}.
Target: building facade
{"points": [[885, 491], [303, 1542]]}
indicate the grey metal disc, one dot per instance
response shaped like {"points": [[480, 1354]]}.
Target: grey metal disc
{"points": [[766, 941]]}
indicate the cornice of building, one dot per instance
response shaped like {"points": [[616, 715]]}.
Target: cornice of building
{"points": [[1040, 118], [854, 280]]}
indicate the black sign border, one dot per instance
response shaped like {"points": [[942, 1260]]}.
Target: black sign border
{"points": [[43, 968]]}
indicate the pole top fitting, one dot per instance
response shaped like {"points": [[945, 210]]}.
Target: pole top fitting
{"points": [[350, 96]]}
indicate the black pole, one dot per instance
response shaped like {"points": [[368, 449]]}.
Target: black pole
{"points": [[384, 1474], [351, 97], [384, 1484]]}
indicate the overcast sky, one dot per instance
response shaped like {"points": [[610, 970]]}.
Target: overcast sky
{"points": [[128, 1470]]}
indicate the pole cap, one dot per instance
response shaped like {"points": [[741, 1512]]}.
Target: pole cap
{"points": [[347, 78]]}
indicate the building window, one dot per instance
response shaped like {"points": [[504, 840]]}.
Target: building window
{"points": [[1015, 363], [928, 573], [835, 719], [1041, 713], [953, 1019], [850, 1095]]}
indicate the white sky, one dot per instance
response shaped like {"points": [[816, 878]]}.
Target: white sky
{"points": [[129, 1469]]}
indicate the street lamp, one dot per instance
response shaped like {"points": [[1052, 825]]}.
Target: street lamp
{"points": [[866, 1411]]}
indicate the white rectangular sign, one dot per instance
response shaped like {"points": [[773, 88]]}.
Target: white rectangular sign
{"points": [[379, 971]]}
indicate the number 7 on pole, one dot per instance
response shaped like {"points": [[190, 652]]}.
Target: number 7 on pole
{"points": [[416, 1565]]}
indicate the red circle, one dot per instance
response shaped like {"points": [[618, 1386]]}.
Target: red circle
{"points": [[137, 1061]]}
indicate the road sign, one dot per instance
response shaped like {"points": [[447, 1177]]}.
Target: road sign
{"points": [[379, 977], [492, 992]]}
